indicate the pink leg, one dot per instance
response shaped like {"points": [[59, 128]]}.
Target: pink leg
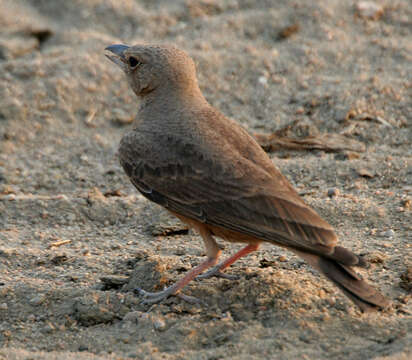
{"points": [[213, 253], [217, 270]]}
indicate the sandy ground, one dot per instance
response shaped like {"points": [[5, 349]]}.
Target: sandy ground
{"points": [[76, 238]]}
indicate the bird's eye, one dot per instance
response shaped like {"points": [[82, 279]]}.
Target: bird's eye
{"points": [[133, 62]]}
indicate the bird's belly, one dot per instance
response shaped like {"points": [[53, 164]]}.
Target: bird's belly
{"points": [[225, 234]]}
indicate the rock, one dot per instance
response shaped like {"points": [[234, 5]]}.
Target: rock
{"points": [[121, 118], [113, 281], [388, 233], [88, 311], [406, 279], [17, 46], [350, 155], [332, 192], [369, 10], [376, 257], [159, 324], [366, 173], [48, 328], [262, 80], [37, 300], [149, 273], [288, 31], [132, 316], [406, 203]]}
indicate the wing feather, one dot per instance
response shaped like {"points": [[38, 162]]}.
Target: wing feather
{"points": [[252, 201]]}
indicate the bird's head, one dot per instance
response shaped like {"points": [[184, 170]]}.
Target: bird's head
{"points": [[149, 67]]}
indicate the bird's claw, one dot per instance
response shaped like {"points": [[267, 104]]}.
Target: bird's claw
{"points": [[216, 272], [190, 299], [152, 297], [156, 297]]}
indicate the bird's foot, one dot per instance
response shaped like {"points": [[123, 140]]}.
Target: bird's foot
{"points": [[190, 299], [216, 272], [156, 297]]}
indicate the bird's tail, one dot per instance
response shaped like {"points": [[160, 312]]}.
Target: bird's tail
{"points": [[365, 296]]}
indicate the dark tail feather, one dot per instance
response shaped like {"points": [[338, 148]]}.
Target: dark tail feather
{"points": [[365, 296], [347, 257]]}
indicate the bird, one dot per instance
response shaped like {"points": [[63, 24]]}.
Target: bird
{"points": [[207, 170]]}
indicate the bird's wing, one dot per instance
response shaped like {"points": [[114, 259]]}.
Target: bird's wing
{"points": [[236, 194]]}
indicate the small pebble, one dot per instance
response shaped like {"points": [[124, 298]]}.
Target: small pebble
{"points": [[227, 316], [381, 212], [263, 80], [37, 300], [322, 294], [331, 300], [332, 192], [3, 306], [369, 10], [406, 279], [113, 281], [48, 329], [350, 155], [159, 324], [366, 173], [180, 251], [406, 203], [325, 317], [9, 197], [132, 316], [376, 257], [388, 233], [121, 118]]}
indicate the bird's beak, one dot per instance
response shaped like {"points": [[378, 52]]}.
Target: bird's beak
{"points": [[117, 55]]}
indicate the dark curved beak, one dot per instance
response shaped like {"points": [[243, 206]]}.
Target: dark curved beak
{"points": [[117, 54]]}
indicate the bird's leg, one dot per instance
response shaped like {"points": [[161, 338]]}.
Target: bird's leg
{"points": [[217, 270], [213, 253]]}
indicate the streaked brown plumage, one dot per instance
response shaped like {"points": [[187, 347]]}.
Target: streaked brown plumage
{"points": [[208, 171]]}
